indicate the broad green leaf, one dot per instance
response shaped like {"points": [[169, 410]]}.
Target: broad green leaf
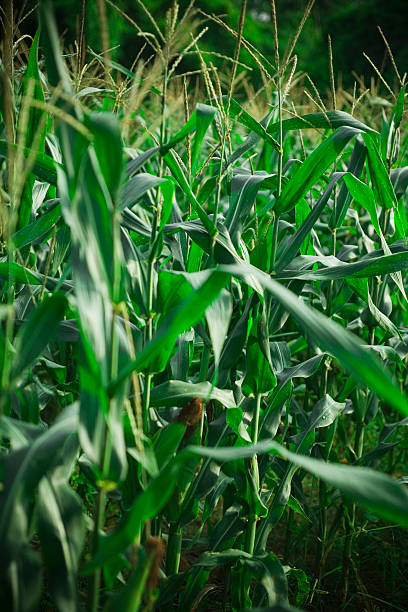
{"points": [[172, 289], [62, 530], [237, 112], [382, 186], [244, 189], [16, 273], [177, 171], [199, 122], [364, 268], [266, 568], [19, 433], [147, 505], [179, 393], [295, 242], [329, 120], [381, 183], [24, 469], [167, 441], [373, 490], [38, 228], [35, 129], [365, 197], [218, 314], [259, 375], [130, 596], [204, 117], [138, 186], [313, 168], [156, 353], [250, 141], [333, 338], [37, 332], [354, 167], [44, 167], [100, 417], [108, 148]]}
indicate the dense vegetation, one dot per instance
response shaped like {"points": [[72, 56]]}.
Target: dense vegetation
{"points": [[204, 331], [327, 17]]}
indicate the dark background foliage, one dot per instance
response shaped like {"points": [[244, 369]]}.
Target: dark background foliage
{"points": [[352, 26]]}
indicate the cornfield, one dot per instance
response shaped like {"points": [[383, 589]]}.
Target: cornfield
{"points": [[204, 334]]}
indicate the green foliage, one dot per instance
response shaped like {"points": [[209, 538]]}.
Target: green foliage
{"points": [[203, 340]]}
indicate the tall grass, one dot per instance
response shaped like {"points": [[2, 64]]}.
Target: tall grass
{"points": [[203, 332]]}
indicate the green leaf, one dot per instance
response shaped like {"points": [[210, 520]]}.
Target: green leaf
{"points": [[62, 530], [138, 186], [333, 338], [364, 268], [343, 200], [37, 228], [156, 353], [259, 376], [373, 490], [37, 332], [130, 596], [108, 148], [250, 141], [199, 122], [179, 393], [365, 197], [204, 117], [295, 242], [22, 472], [44, 167], [244, 118], [167, 441], [32, 87], [177, 171], [244, 189], [266, 569], [147, 505], [328, 120], [218, 314], [15, 273], [313, 168]]}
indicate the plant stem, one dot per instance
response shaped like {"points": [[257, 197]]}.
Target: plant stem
{"points": [[350, 520], [274, 241], [250, 536], [95, 578], [152, 260], [173, 550]]}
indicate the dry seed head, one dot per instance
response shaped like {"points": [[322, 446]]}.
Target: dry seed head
{"points": [[253, 52], [305, 15], [394, 65], [292, 61], [154, 547], [380, 76], [190, 415]]}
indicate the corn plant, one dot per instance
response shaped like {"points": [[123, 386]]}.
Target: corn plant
{"points": [[190, 334]]}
